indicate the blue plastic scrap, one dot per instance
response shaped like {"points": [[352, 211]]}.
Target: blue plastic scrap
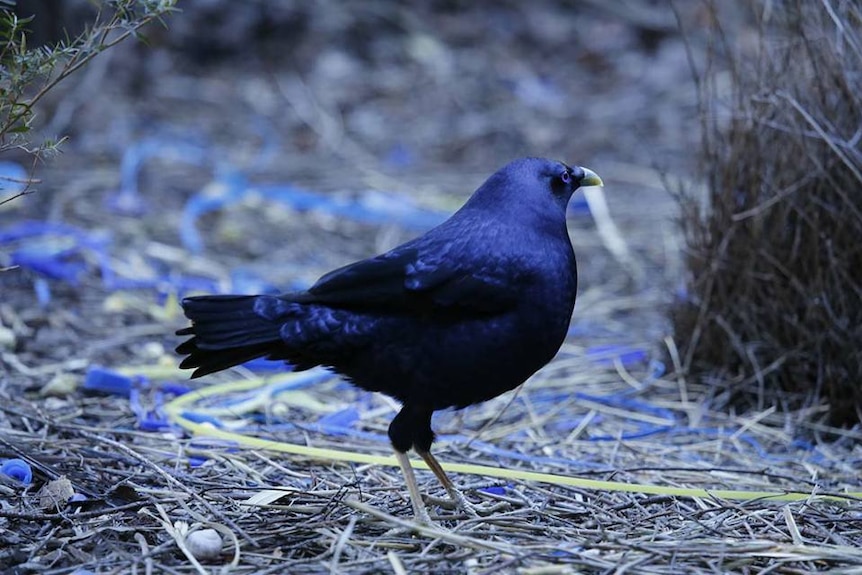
{"points": [[127, 200], [17, 469], [343, 418], [196, 417], [149, 418], [175, 389], [103, 380], [605, 355], [65, 253], [13, 179], [373, 207], [495, 489], [43, 291], [263, 365], [227, 188], [53, 249]]}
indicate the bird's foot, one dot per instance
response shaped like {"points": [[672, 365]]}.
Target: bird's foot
{"points": [[421, 515], [457, 500]]}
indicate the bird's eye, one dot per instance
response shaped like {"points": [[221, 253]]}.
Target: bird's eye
{"points": [[566, 177]]}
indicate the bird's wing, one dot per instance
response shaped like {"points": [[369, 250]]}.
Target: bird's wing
{"points": [[405, 280]]}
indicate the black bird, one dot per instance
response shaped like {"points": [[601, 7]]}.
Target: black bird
{"points": [[455, 317]]}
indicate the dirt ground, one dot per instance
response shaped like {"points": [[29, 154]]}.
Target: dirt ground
{"points": [[255, 147]]}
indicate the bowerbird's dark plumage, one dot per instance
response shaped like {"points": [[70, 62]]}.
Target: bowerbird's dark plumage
{"points": [[457, 316]]}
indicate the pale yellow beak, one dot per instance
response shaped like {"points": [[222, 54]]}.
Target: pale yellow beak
{"points": [[590, 178]]}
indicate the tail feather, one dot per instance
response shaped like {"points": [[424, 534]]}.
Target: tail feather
{"points": [[205, 362], [228, 321], [226, 331]]}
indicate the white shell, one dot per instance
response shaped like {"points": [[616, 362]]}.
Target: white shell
{"points": [[204, 544]]}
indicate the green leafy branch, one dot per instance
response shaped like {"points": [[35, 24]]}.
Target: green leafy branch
{"points": [[28, 74]]}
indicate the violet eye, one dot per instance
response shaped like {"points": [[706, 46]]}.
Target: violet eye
{"points": [[565, 177]]}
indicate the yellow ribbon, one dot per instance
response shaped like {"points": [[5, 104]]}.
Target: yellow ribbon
{"points": [[175, 411]]}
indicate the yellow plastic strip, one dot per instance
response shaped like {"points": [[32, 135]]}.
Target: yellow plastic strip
{"points": [[175, 409]]}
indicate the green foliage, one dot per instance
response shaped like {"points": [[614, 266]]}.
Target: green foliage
{"points": [[28, 74]]}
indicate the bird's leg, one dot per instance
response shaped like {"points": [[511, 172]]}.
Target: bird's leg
{"points": [[412, 427], [419, 509], [412, 422]]}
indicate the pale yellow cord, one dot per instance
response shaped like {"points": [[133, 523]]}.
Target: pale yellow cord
{"points": [[175, 409]]}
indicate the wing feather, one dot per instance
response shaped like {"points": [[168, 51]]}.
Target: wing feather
{"points": [[404, 281]]}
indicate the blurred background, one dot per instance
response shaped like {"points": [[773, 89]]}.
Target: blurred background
{"points": [[405, 87], [284, 138], [252, 146]]}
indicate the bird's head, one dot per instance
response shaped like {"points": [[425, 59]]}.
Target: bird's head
{"points": [[535, 185]]}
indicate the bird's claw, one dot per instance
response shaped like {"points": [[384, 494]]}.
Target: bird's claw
{"points": [[460, 502]]}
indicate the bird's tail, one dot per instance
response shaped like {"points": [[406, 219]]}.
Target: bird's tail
{"points": [[225, 332]]}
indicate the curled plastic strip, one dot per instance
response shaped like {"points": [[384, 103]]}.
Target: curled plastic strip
{"points": [[371, 206], [17, 469], [127, 200]]}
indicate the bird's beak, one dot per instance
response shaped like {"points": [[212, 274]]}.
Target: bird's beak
{"points": [[590, 178]]}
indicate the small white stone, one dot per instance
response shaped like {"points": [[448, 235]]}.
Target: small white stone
{"points": [[8, 339], [204, 544]]}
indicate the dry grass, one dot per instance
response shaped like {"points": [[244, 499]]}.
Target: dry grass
{"points": [[628, 423], [590, 415], [772, 310]]}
